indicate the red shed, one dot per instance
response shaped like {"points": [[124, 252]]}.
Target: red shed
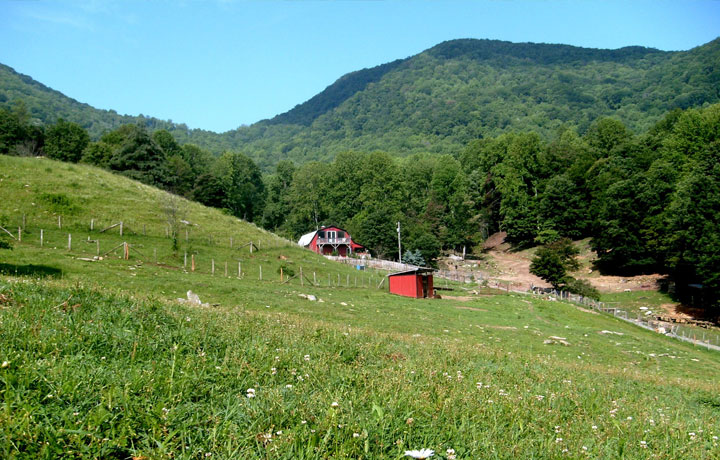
{"points": [[416, 283], [327, 240]]}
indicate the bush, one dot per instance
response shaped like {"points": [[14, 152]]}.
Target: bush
{"points": [[581, 287]]}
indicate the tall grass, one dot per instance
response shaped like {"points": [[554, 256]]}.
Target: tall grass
{"points": [[101, 361]]}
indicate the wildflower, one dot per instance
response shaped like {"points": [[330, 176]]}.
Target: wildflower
{"points": [[410, 421], [451, 454], [558, 440], [594, 427], [334, 404], [303, 422], [273, 370], [5, 364], [250, 392], [187, 318], [715, 438], [643, 444], [356, 435], [288, 386], [421, 454], [278, 433], [306, 357], [584, 448], [629, 418]]}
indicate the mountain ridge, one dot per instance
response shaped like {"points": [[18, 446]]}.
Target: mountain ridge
{"points": [[438, 100]]}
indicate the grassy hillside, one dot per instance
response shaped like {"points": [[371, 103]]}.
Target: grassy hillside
{"points": [[441, 99], [100, 361]]}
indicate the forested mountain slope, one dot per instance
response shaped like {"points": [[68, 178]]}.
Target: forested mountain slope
{"points": [[439, 100]]}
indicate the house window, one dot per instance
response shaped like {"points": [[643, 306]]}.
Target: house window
{"points": [[321, 234], [331, 234], [341, 234]]}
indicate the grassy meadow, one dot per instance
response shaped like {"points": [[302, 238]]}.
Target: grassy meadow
{"points": [[99, 359]]}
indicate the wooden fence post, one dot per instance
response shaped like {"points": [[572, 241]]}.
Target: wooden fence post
{"points": [[41, 237], [302, 283], [23, 222], [121, 228], [251, 246], [19, 234], [185, 260], [60, 222], [212, 269], [281, 274], [69, 242], [314, 279], [187, 235], [127, 251], [347, 281], [92, 224], [192, 262], [239, 269], [260, 272], [97, 247], [226, 269]]}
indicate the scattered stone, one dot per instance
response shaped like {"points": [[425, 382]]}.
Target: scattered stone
{"points": [[611, 332], [193, 298], [552, 340]]}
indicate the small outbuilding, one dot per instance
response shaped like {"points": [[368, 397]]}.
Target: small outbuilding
{"points": [[416, 283]]}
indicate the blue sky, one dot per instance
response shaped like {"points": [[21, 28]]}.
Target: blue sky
{"points": [[219, 64]]}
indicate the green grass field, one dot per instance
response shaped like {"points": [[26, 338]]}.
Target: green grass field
{"points": [[100, 361]]}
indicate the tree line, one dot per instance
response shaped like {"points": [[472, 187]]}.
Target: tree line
{"points": [[649, 202]]}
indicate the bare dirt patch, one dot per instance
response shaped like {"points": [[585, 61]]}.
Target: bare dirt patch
{"points": [[462, 298]]}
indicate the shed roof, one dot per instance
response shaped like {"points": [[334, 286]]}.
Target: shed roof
{"points": [[307, 238], [414, 271]]}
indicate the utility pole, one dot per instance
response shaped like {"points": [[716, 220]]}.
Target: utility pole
{"points": [[399, 246]]}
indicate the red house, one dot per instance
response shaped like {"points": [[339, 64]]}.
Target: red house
{"points": [[416, 283], [327, 240]]}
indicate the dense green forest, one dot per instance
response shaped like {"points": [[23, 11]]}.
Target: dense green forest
{"points": [[650, 202], [437, 101]]}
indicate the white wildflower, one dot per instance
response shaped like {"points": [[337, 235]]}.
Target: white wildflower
{"points": [[421, 454]]}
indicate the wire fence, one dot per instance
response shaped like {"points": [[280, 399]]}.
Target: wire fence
{"points": [[56, 232], [257, 256]]}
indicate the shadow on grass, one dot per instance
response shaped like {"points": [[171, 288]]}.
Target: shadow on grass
{"points": [[30, 270]]}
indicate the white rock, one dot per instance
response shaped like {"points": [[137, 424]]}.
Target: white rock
{"points": [[193, 298]]}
